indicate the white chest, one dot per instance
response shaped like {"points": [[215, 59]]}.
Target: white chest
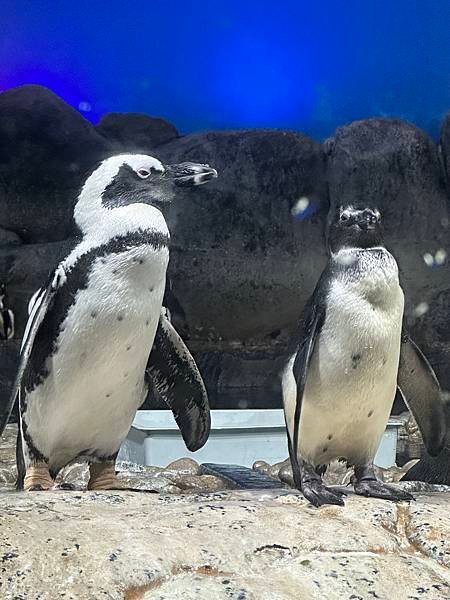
{"points": [[96, 379]]}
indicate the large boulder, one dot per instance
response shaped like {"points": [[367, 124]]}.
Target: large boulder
{"points": [[395, 166], [135, 131], [45, 148], [242, 265]]}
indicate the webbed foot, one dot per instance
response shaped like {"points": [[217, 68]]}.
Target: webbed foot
{"points": [[103, 476], [374, 488], [366, 484], [37, 478], [318, 493]]}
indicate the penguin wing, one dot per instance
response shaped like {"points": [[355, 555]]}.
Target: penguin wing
{"points": [[172, 371], [421, 392], [311, 324], [38, 307]]}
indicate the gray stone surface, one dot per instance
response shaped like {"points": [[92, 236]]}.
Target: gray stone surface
{"points": [[136, 131], [224, 545]]}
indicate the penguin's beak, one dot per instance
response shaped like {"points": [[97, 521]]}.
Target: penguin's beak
{"points": [[188, 174], [366, 219]]}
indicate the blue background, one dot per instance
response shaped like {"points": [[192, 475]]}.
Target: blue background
{"points": [[228, 64]]}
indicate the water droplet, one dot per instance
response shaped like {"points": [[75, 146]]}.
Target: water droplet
{"points": [[440, 256], [428, 259], [420, 309], [85, 107], [300, 206]]}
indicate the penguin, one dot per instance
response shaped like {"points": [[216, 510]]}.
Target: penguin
{"points": [[97, 338], [6, 316], [346, 360]]}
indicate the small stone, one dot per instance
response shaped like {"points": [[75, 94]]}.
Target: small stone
{"points": [[199, 483], [275, 468], [76, 474], [262, 466], [286, 476], [183, 466]]}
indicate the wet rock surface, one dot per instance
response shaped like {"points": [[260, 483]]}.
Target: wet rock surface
{"points": [[222, 545]]}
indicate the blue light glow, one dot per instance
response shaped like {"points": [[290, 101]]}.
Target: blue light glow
{"points": [[228, 64]]}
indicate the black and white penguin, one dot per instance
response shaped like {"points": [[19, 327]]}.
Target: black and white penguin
{"points": [[6, 316], [97, 336], [346, 362]]}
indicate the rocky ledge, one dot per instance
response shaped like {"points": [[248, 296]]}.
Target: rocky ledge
{"points": [[221, 543], [230, 544]]}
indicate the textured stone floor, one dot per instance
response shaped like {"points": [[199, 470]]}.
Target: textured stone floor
{"points": [[231, 545]]}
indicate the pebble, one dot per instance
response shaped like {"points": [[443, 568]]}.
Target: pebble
{"points": [[182, 466]]}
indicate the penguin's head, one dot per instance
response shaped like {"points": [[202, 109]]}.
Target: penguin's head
{"points": [[143, 179], [128, 181], [350, 227]]}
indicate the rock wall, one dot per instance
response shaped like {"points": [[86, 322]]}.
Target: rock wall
{"points": [[243, 259]]}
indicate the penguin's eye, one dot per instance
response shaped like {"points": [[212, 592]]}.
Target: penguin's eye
{"points": [[344, 217], [143, 173]]}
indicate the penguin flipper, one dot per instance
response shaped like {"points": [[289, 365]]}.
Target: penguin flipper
{"points": [[312, 321], [422, 394], [173, 372], [43, 299]]}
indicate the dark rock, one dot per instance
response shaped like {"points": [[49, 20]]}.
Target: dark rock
{"points": [[235, 267], [9, 238], [445, 147], [45, 148], [136, 132], [9, 361]]}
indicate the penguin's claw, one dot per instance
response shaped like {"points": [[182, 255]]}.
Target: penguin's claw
{"points": [[374, 488], [318, 494]]}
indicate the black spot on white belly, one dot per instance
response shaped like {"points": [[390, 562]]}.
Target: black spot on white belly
{"points": [[370, 413], [147, 323], [120, 317], [330, 436], [128, 348], [93, 314], [325, 448], [355, 360], [108, 395]]}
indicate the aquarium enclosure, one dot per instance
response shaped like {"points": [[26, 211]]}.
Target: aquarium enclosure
{"points": [[225, 300]]}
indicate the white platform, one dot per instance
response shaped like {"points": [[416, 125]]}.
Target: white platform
{"points": [[237, 437]]}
